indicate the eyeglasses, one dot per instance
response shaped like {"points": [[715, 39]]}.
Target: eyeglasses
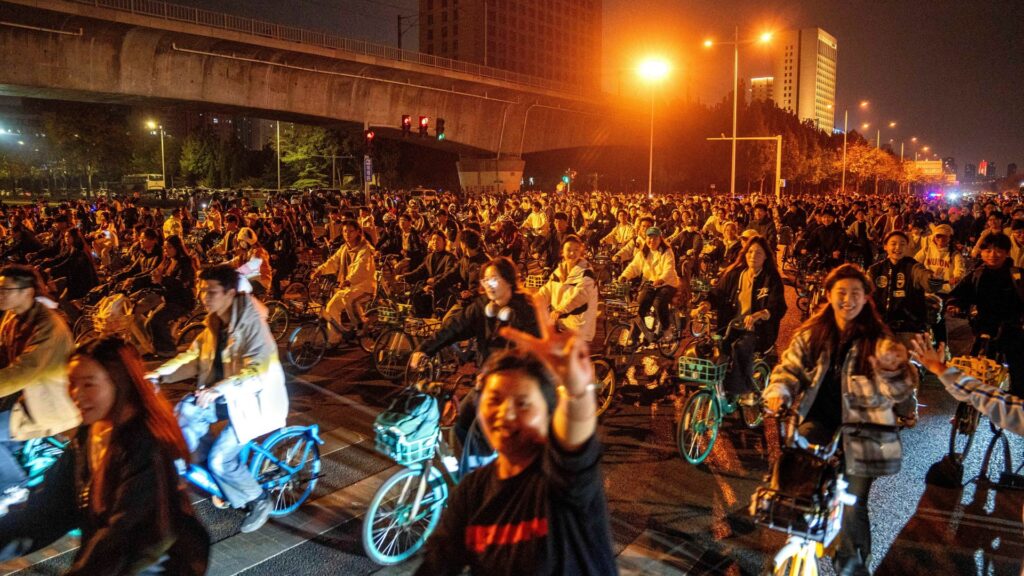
{"points": [[493, 282]]}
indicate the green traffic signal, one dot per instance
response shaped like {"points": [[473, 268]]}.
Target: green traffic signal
{"points": [[565, 178]]}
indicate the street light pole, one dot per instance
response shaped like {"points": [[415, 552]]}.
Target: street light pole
{"points": [[163, 163], [846, 128], [735, 107], [650, 155], [278, 127]]}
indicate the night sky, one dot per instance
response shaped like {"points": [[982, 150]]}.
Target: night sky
{"points": [[950, 72]]}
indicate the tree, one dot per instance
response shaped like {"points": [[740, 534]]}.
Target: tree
{"points": [[92, 138], [197, 157]]}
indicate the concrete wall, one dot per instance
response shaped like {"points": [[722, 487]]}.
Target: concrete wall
{"points": [[129, 58]]}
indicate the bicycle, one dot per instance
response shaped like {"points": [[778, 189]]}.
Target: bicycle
{"points": [[406, 509], [308, 342], [286, 464], [629, 333], [964, 424], [804, 499], [705, 364]]}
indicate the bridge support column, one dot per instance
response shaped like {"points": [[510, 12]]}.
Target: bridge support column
{"points": [[480, 175]]}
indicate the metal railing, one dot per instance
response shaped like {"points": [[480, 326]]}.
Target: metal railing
{"points": [[219, 20]]}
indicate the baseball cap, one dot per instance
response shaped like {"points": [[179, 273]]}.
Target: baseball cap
{"points": [[654, 231], [942, 230]]}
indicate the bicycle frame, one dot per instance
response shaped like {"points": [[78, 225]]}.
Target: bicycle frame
{"points": [[200, 477]]}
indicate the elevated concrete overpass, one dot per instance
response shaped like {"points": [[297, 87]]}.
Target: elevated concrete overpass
{"points": [[133, 51]]}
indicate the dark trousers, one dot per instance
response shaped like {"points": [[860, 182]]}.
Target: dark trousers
{"points": [[159, 325], [280, 275], [855, 539], [660, 298], [742, 349]]}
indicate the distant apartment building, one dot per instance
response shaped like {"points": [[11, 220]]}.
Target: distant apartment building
{"points": [[762, 89], [558, 40], [804, 67]]}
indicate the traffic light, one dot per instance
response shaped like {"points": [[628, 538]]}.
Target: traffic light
{"points": [[439, 128], [368, 139], [424, 125], [406, 124]]}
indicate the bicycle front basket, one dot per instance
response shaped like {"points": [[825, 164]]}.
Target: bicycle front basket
{"points": [[699, 370], [985, 369]]}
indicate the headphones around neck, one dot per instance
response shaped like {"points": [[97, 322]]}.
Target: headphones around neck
{"points": [[503, 313]]}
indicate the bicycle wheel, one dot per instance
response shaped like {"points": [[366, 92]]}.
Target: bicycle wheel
{"points": [[961, 433], [277, 318], [619, 343], [992, 469], [668, 342], [83, 325], [698, 327], [604, 376], [397, 522], [307, 345], [698, 427], [391, 354], [188, 335], [752, 415], [290, 476]]}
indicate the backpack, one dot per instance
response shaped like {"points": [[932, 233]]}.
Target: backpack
{"points": [[407, 430]]}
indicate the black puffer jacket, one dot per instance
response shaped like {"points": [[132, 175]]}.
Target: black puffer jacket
{"points": [[472, 322]]}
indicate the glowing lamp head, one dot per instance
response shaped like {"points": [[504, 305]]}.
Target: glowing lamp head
{"points": [[765, 37], [653, 69], [709, 43], [151, 124]]}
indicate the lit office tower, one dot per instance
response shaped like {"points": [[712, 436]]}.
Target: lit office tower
{"points": [[762, 89], [804, 63], [558, 40]]}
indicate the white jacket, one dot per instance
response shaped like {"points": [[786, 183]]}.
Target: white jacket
{"points": [[568, 293], [360, 270], [653, 265], [253, 384], [945, 264]]}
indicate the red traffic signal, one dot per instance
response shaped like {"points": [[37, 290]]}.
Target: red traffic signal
{"points": [[424, 125], [406, 124]]}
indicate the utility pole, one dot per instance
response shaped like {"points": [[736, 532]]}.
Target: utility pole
{"points": [[399, 31], [278, 125]]}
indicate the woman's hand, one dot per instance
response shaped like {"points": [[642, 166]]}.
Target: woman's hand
{"points": [[566, 355], [933, 359], [890, 356], [773, 404]]}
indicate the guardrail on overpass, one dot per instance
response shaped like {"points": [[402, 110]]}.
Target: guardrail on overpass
{"points": [[199, 16]]}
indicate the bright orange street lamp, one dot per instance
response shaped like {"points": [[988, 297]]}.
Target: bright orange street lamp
{"points": [[652, 70]]}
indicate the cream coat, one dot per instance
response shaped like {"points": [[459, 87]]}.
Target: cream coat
{"points": [[253, 383], [653, 265], [566, 292]]}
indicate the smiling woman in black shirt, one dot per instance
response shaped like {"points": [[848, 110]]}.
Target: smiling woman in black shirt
{"points": [[540, 507]]}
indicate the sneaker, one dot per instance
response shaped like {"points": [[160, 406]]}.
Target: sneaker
{"points": [[259, 512]]}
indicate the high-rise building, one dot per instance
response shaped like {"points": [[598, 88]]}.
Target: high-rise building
{"points": [[804, 66], [762, 89], [949, 165], [970, 172], [558, 40]]}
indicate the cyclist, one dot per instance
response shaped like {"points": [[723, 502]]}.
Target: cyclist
{"points": [[239, 379], [901, 286], [656, 264], [116, 481], [540, 507], [939, 257], [283, 256], [356, 271], [252, 261], [571, 292], [34, 346], [175, 275], [437, 263], [503, 303], [749, 291], [621, 234], [826, 243], [548, 246], [996, 291], [463, 281], [847, 368]]}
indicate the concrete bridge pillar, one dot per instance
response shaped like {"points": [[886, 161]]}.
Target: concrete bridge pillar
{"points": [[489, 175]]}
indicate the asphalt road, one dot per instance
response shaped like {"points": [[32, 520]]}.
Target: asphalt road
{"points": [[667, 516]]}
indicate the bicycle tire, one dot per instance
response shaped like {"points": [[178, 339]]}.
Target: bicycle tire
{"points": [[753, 415], [962, 431], [698, 327], [307, 345], [277, 319], [619, 343], [985, 473], [83, 325], [698, 427], [391, 354], [390, 535], [188, 335], [604, 377], [296, 449]]}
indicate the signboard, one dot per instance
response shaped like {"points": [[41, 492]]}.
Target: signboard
{"points": [[367, 168]]}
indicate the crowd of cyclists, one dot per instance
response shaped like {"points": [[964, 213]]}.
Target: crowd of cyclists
{"points": [[883, 276]]}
